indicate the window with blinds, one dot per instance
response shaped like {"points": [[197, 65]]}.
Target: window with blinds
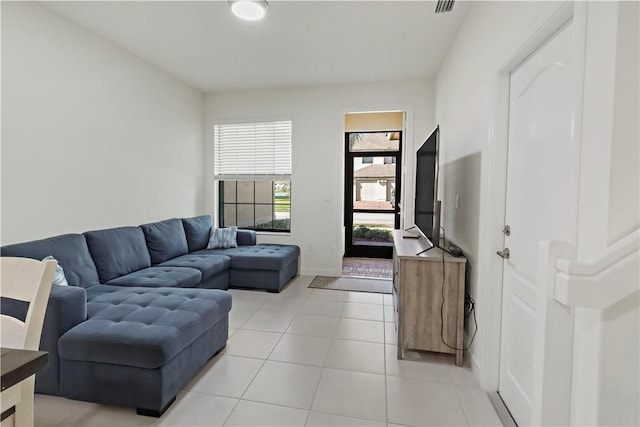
{"points": [[252, 149], [252, 164]]}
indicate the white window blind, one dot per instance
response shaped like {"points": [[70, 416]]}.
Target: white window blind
{"points": [[252, 150]]}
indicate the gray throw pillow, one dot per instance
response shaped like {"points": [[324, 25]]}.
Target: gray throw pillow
{"points": [[223, 238]]}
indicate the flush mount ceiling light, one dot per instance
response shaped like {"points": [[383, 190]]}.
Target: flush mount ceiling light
{"points": [[249, 10]]}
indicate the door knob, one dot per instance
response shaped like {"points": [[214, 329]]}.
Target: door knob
{"points": [[504, 253]]}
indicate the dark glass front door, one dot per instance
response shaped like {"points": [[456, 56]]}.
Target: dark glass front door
{"points": [[372, 192]]}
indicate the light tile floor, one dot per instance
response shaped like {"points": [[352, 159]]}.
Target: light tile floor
{"points": [[306, 357]]}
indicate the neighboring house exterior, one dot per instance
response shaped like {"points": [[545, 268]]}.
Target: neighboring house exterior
{"points": [[374, 177], [374, 182]]}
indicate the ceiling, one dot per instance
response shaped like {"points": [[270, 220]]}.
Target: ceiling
{"points": [[299, 43]]}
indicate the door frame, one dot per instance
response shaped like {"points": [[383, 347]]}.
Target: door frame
{"points": [[349, 156], [406, 205], [488, 368]]}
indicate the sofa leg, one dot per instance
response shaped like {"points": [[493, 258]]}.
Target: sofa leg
{"points": [[154, 412], [273, 291], [219, 351]]}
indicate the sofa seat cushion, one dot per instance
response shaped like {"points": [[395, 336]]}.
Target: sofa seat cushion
{"points": [[264, 256], [208, 264], [142, 327], [157, 277]]}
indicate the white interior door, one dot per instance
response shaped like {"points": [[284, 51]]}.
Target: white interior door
{"points": [[538, 203]]}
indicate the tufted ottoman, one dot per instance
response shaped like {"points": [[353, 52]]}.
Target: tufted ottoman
{"points": [[140, 346], [263, 266]]}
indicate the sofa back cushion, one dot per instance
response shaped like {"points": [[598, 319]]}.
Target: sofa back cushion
{"points": [[165, 240], [198, 231], [70, 250], [118, 251]]}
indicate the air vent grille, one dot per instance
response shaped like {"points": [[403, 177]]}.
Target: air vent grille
{"points": [[444, 6]]}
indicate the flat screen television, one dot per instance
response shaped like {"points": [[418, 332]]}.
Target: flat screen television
{"points": [[427, 206]]}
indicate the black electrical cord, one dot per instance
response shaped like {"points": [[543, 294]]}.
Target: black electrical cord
{"points": [[467, 299]]}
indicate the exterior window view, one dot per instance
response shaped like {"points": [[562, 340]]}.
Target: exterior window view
{"points": [[373, 188], [256, 205]]}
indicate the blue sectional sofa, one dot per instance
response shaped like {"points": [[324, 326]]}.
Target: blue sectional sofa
{"points": [[145, 307]]}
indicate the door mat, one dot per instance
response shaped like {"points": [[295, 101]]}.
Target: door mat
{"points": [[352, 284], [374, 268]]}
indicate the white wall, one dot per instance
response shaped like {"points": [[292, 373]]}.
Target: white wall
{"points": [[619, 366], [318, 152], [466, 94], [605, 387], [624, 213], [92, 136]]}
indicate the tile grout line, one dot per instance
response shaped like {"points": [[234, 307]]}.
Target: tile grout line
{"points": [[267, 403], [386, 387], [333, 340], [324, 365], [274, 347], [272, 404], [245, 390], [260, 308], [346, 416], [264, 361], [323, 368], [464, 413], [269, 355]]}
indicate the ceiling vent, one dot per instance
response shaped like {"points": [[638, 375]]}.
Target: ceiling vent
{"points": [[444, 6]]}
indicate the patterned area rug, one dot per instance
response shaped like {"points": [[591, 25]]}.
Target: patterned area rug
{"points": [[367, 267], [352, 284]]}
